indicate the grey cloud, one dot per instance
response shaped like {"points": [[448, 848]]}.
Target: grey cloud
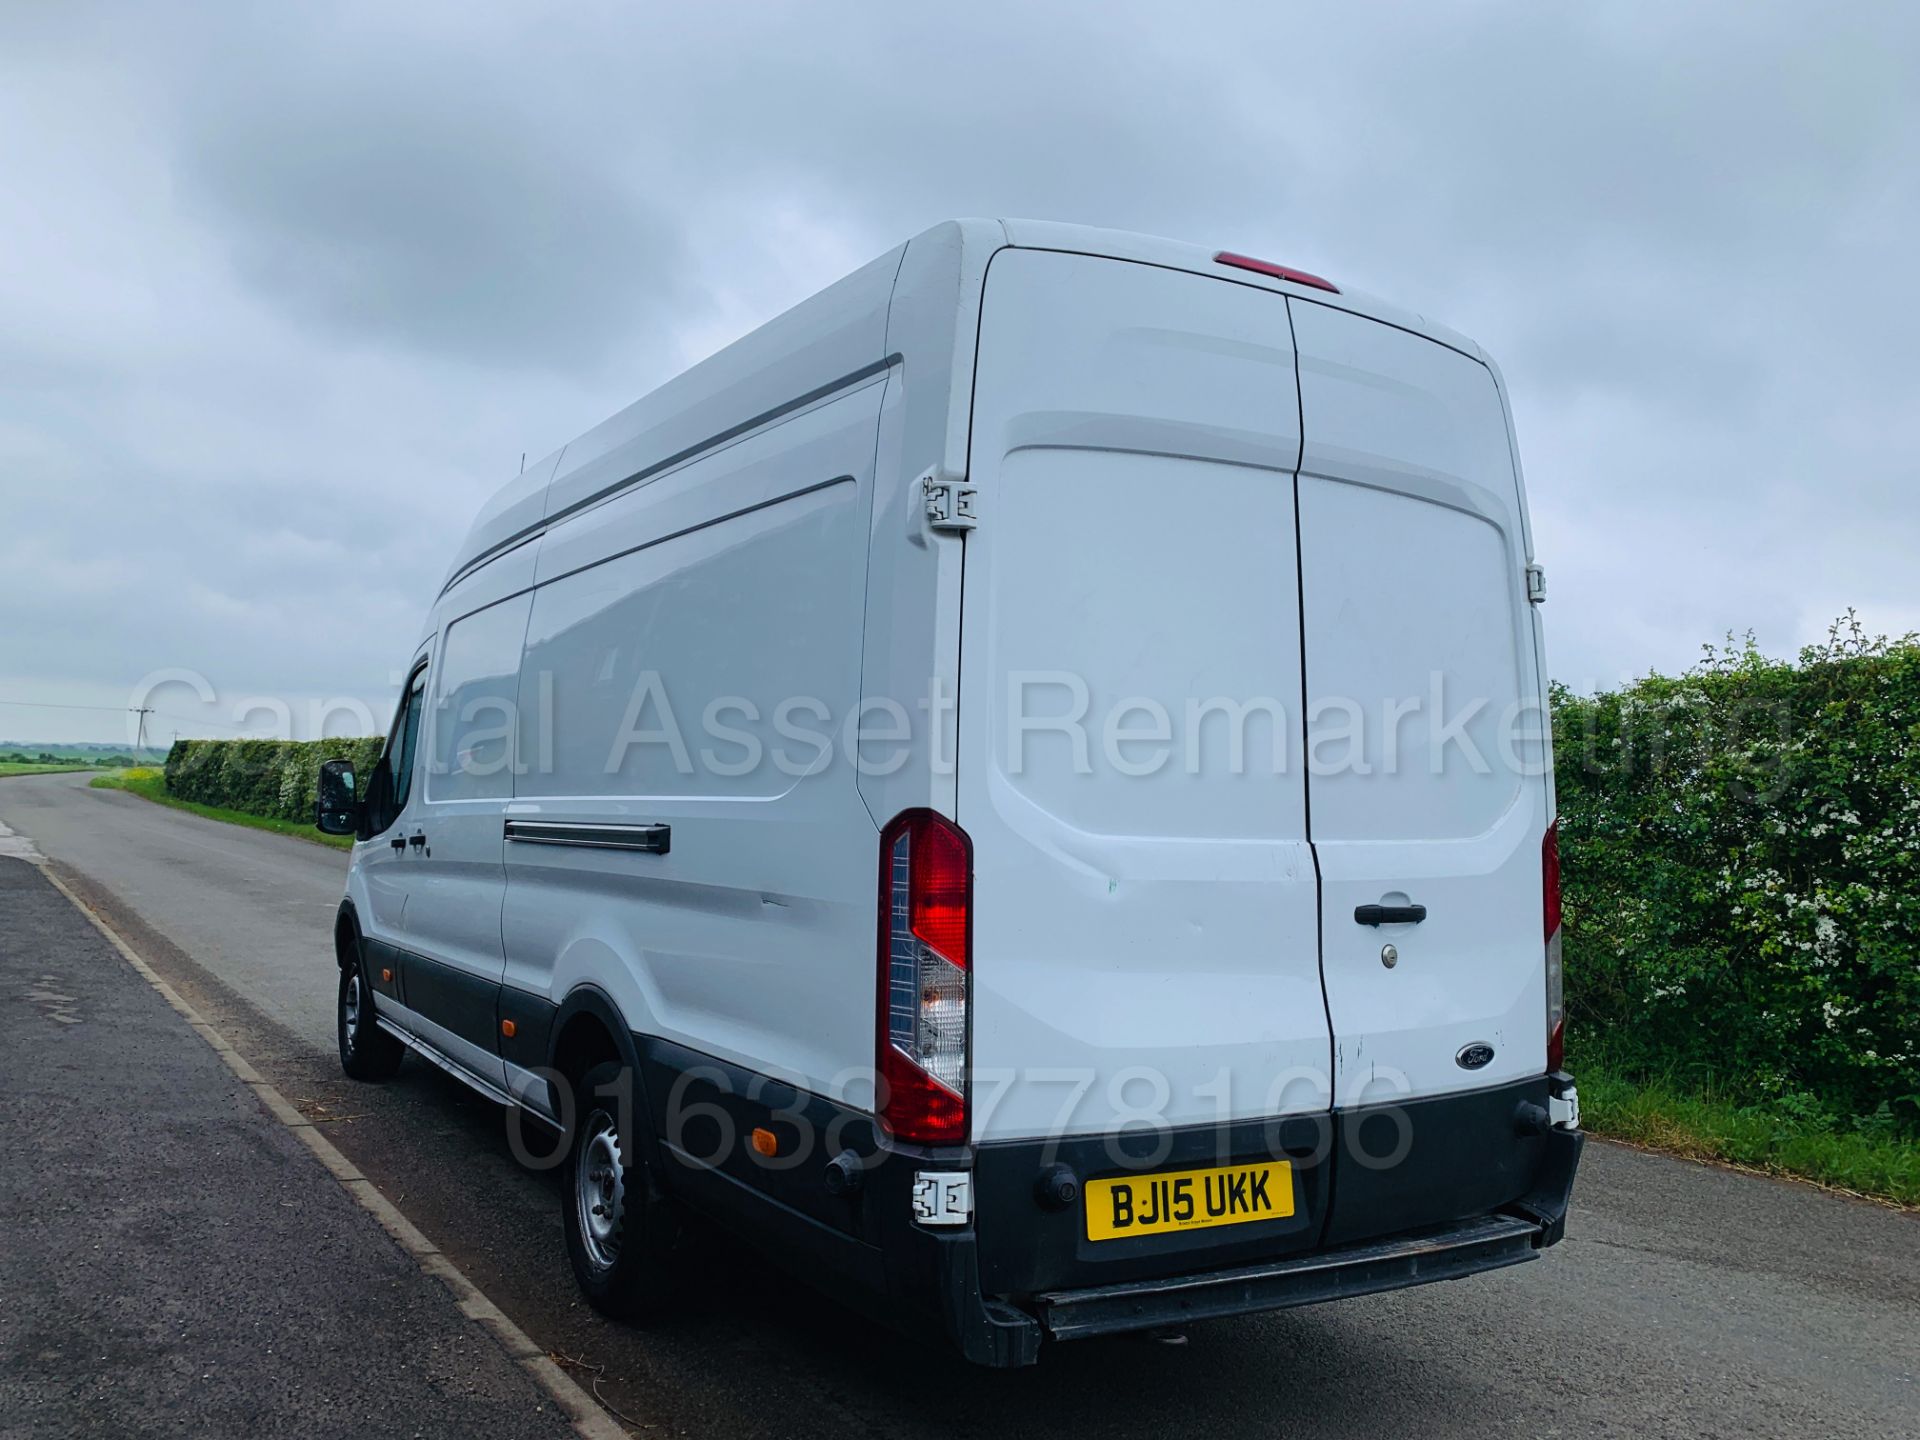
{"points": [[289, 291], [433, 211]]}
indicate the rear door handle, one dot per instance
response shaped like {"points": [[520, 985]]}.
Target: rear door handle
{"points": [[399, 842], [419, 838], [1389, 914]]}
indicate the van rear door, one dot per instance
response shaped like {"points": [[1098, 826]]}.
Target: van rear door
{"points": [[1144, 946], [1427, 776]]}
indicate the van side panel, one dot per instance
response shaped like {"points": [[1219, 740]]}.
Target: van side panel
{"points": [[693, 652], [1418, 630], [828, 337]]}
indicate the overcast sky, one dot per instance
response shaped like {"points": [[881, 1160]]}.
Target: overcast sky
{"points": [[286, 291]]}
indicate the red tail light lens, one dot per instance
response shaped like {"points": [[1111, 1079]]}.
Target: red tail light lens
{"points": [[926, 904], [939, 886], [1550, 876], [1279, 272], [1556, 975]]}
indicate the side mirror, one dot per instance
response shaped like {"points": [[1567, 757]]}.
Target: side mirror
{"points": [[336, 811]]}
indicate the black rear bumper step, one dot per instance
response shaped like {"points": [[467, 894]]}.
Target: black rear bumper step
{"points": [[1487, 1243]]}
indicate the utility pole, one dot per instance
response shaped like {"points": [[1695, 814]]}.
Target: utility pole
{"points": [[140, 740]]}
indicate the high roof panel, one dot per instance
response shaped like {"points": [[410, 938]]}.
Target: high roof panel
{"points": [[826, 340]]}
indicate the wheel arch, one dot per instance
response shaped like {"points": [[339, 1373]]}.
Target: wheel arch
{"points": [[588, 1028], [346, 934]]}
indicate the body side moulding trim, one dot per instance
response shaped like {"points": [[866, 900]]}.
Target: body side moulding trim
{"points": [[651, 838]]}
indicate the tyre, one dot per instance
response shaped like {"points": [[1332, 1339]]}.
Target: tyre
{"points": [[620, 1230], [366, 1051]]}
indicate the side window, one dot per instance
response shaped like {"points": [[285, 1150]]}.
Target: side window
{"points": [[388, 795], [407, 732]]}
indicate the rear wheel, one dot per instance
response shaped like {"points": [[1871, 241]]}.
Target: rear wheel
{"points": [[620, 1230], [366, 1051]]}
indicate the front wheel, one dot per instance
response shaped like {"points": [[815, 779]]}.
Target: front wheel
{"points": [[620, 1231], [366, 1051]]}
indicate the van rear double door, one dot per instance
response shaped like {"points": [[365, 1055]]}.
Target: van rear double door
{"points": [[1158, 599]]}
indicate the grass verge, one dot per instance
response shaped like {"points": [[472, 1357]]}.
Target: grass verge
{"points": [[1779, 1140], [151, 784], [31, 767]]}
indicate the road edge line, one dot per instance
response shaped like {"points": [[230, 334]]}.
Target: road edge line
{"points": [[590, 1419]]}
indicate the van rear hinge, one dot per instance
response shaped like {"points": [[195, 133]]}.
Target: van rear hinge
{"points": [[1536, 585], [951, 506]]}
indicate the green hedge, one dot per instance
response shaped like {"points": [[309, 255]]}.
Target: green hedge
{"points": [[275, 778], [1741, 876]]}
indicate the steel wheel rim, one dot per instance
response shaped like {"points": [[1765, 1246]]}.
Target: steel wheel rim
{"points": [[350, 1012], [599, 1190]]}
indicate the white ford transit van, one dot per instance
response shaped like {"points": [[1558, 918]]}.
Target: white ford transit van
{"points": [[1020, 786]]}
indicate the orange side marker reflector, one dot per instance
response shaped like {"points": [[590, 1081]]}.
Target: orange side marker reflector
{"points": [[764, 1142], [386, 977], [509, 1029]]}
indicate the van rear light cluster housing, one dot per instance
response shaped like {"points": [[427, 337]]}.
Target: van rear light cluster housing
{"points": [[926, 939], [1556, 977]]}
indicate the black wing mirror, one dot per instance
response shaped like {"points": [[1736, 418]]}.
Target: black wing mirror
{"points": [[337, 810]]}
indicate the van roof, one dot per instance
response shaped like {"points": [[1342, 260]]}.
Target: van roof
{"points": [[825, 342], [1184, 255]]}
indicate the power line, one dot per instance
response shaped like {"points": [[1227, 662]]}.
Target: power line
{"points": [[52, 705], [128, 709]]}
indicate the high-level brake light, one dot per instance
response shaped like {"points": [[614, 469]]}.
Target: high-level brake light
{"points": [[926, 905], [1279, 272]]}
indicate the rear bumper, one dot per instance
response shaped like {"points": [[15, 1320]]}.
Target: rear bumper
{"points": [[1472, 1182], [1464, 1249], [998, 1331]]}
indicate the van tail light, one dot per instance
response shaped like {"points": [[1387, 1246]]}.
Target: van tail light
{"points": [[926, 936], [1556, 979]]}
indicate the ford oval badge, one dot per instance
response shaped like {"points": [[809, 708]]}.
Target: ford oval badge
{"points": [[1476, 1056]]}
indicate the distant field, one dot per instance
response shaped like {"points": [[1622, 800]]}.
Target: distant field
{"points": [[37, 752], [34, 767]]}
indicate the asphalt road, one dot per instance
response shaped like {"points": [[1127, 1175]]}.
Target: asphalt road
{"points": [[142, 1299], [248, 905], [1686, 1300]]}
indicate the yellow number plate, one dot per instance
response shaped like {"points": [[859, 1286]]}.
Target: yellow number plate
{"points": [[1188, 1200]]}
